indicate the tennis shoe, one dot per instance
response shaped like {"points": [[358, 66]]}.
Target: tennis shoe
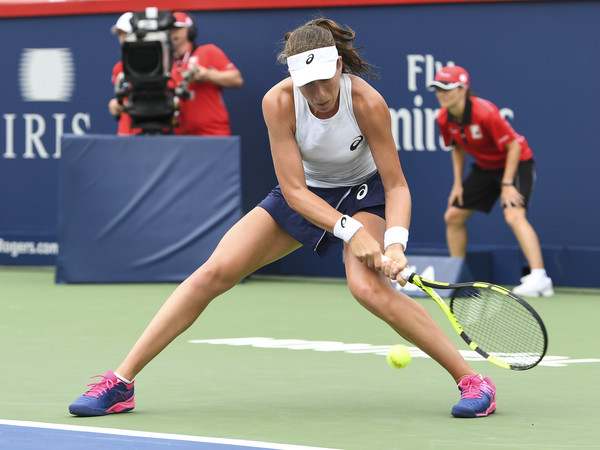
{"points": [[107, 396], [477, 397], [534, 286]]}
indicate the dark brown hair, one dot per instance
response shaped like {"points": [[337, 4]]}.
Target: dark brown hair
{"points": [[323, 32]]}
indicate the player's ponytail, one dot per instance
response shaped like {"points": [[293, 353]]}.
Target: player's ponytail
{"points": [[323, 32]]}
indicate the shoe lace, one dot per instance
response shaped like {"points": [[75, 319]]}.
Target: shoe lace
{"points": [[471, 387], [99, 387]]}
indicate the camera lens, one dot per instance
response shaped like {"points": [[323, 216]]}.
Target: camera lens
{"points": [[143, 58]]}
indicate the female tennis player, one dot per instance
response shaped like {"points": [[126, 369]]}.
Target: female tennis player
{"points": [[339, 180], [504, 169]]}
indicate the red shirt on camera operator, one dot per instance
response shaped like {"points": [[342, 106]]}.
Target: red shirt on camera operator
{"points": [[209, 71], [115, 107]]}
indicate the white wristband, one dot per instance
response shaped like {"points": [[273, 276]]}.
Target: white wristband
{"points": [[346, 227], [395, 235]]}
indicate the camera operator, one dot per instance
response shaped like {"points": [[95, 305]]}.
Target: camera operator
{"points": [[121, 28], [206, 70]]}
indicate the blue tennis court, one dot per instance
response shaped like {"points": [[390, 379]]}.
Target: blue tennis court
{"points": [[18, 435]]}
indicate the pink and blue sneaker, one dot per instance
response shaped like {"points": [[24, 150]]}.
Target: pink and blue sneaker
{"points": [[477, 397], [107, 396]]}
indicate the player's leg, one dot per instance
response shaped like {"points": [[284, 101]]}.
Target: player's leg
{"points": [[537, 282], [253, 242], [414, 323], [456, 230], [406, 316], [526, 236]]}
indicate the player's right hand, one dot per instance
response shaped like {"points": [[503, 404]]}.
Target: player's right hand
{"points": [[393, 262]]}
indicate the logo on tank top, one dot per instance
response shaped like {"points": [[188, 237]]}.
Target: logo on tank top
{"points": [[356, 142], [310, 58]]}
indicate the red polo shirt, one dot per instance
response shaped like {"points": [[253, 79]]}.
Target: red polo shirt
{"points": [[124, 128], [483, 133], [204, 114]]}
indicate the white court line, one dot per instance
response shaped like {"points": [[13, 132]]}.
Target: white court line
{"points": [[148, 434], [335, 346]]}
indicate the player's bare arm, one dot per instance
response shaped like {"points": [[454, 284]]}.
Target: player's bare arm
{"points": [[509, 196], [459, 156], [373, 116], [278, 112]]}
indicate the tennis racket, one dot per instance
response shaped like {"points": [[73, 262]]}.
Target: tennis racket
{"points": [[493, 321]]}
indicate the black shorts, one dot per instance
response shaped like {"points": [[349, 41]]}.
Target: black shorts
{"points": [[482, 187], [368, 196]]}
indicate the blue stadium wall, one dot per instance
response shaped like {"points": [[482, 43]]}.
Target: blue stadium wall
{"points": [[536, 60]]}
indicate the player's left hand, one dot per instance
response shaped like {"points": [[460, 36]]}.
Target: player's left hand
{"points": [[366, 249]]}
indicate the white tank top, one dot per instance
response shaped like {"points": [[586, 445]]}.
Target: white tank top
{"points": [[334, 151]]}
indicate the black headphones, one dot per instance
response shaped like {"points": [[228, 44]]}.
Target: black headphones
{"points": [[192, 30]]}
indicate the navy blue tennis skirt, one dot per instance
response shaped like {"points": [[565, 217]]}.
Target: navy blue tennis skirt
{"points": [[368, 196]]}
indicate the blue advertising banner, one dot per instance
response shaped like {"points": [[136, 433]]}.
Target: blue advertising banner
{"points": [[144, 208], [520, 55]]}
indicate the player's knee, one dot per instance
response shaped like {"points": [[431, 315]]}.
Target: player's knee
{"points": [[360, 290], [370, 294], [514, 216], [213, 274], [454, 217], [448, 217]]}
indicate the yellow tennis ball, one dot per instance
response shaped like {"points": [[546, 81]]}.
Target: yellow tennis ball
{"points": [[398, 357]]}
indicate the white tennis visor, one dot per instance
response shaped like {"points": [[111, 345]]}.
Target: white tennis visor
{"points": [[445, 85], [317, 64]]}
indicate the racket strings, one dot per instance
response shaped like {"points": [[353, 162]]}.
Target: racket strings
{"points": [[500, 325]]}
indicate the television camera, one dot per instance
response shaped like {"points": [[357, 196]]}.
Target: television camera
{"points": [[147, 56]]}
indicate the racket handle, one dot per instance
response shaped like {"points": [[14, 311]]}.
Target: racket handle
{"points": [[406, 272]]}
